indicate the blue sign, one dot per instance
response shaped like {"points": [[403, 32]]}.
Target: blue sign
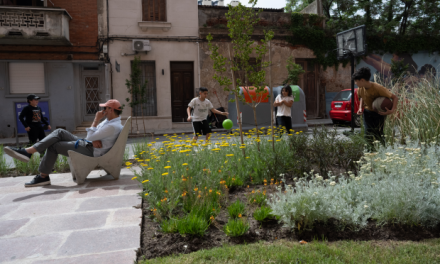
{"points": [[44, 105]]}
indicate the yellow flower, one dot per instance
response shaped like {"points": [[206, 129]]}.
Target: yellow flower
{"points": [[239, 215], [128, 167], [247, 157], [229, 155], [134, 178], [144, 165], [210, 190], [151, 168], [167, 167], [146, 194], [195, 189], [212, 218], [166, 173], [166, 191], [145, 181], [185, 164], [128, 163]]}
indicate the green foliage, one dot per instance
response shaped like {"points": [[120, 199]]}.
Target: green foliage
{"points": [[135, 87], [293, 71], [241, 23], [169, 226], [396, 185], [262, 213], [236, 227], [257, 197], [29, 168], [192, 224], [61, 165], [236, 209], [398, 69], [4, 167]]}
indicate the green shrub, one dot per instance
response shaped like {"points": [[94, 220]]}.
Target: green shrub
{"points": [[3, 165], [29, 168], [262, 213], [236, 227], [236, 209], [169, 226], [192, 224], [396, 185], [61, 165], [257, 197]]}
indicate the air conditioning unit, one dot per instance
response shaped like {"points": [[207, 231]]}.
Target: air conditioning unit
{"points": [[234, 3], [221, 3], [141, 45], [207, 2]]}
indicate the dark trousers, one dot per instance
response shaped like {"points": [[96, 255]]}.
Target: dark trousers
{"points": [[36, 133], [286, 122], [373, 124]]}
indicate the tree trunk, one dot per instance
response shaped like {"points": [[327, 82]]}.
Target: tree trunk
{"points": [[254, 108], [237, 106], [271, 99]]}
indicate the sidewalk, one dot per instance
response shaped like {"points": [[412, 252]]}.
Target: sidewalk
{"points": [[67, 223]]}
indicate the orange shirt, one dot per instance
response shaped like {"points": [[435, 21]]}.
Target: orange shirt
{"points": [[370, 94]]}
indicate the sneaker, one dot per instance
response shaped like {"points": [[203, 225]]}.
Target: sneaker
{"points": [[38, 181], [18, 153]]}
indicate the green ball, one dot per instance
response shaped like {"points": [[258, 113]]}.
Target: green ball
{"points": [[227, 124]]}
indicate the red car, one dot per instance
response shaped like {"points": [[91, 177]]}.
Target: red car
{"points": [[341, 107]]}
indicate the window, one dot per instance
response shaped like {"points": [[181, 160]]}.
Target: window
{"points": [[241, 73], [149, 107], [25, 78], [22, 2], [154, 10]]}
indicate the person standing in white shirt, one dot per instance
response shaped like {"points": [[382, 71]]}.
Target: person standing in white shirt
{"points": [[200, 107], [284, 102]]}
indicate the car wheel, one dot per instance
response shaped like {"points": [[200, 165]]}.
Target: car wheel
{"points": [[357, 121]]}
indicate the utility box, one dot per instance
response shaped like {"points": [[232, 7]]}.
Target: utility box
{"points": [[299, 114], [299, 117], [263, 109]]}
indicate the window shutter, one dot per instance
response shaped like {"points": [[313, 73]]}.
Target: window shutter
{"points": [[154, 10], [26, 78]]}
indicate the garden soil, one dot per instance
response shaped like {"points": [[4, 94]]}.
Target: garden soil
{"points": [[157, 244]]}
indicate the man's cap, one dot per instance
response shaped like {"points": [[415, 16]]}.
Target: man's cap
{"points": [[113, 103], [32, 97]]}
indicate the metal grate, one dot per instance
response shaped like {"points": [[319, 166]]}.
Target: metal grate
{"points": [[148, 74], [19, 19], [92, 95]]}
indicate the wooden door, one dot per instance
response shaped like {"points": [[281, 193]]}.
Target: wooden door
{"points": [[307, 82], [182, 89]]}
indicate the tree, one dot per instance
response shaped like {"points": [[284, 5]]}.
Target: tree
{"points": [[241, 23], [293, 71], [136, 89]]}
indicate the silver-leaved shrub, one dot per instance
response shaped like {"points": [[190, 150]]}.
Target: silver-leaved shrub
{"points": [[396, 185]]}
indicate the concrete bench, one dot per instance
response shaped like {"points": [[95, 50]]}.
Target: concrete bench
{"points": [[111, 162]]}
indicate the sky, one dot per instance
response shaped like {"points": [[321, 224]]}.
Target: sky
{"points": [[264, 3]]}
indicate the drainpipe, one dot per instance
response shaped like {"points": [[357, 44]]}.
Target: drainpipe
{"points": [[108, 51], [198, 60]]}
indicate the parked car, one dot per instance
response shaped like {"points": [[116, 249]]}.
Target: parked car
{"points": [[341, 107]]}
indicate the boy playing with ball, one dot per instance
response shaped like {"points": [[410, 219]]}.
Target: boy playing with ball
{"points": [[375, 111], [201, 107]]}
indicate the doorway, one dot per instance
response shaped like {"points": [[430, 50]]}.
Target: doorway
{"points": [[182, 89], [92, 92], [308, 82]]}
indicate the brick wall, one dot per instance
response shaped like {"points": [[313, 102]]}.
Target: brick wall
{"points": [[83, 35]]}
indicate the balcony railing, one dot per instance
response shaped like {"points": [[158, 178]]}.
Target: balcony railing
{"points": [[34, 26]]}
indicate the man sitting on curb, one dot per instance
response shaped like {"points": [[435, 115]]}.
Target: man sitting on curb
{"points": [[100, 139]]}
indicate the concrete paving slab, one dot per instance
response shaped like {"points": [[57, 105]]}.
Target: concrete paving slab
{"points": [[64, 223], [8, 227], [118, 257], [101, 240]]}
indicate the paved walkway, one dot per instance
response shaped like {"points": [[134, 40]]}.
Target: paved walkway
{"points": [[67, 223]]}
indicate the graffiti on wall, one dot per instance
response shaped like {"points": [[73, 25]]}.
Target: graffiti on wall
{"points": [[420, 65]]}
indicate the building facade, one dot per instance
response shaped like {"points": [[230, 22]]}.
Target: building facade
{"points": [[51, 49], [163, 34]]}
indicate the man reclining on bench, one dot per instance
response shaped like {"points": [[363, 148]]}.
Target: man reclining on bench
{"points": [[100, 138]]}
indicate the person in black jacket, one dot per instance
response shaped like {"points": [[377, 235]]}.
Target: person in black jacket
{"points": [[32, 117]]}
